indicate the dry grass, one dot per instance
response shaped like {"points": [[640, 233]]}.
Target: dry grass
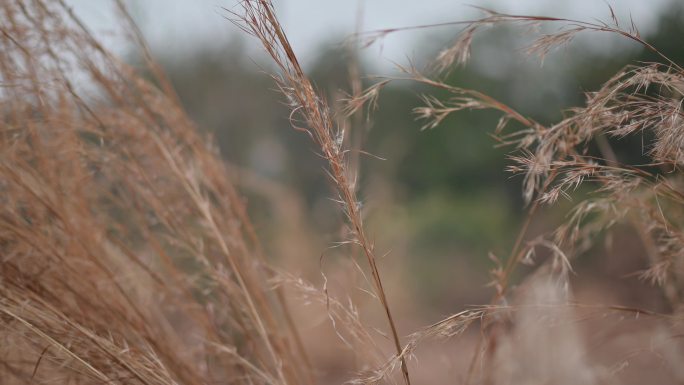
{"points": [[128, 256], [555, 160]]}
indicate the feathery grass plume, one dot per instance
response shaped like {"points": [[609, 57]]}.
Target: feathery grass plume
{"points": [[127, 256], [544, 344], [312, 115], [344, 317], [555, 160], [446, 328]]}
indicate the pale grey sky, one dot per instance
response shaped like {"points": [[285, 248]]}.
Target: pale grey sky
{"points": [[186, 24]]}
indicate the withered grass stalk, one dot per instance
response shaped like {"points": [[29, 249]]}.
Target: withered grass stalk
{"points": [[258, 19]]}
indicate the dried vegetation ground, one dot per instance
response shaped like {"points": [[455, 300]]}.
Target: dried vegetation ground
{"points": [[128, 257]]}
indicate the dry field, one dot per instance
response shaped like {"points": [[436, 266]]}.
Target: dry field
{"points": [[128, 255]]}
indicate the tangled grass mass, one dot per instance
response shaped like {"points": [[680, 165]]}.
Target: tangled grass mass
{"points": [[127, 253]]}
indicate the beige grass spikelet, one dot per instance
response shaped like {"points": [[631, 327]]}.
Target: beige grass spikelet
{"points": [[544, 345]]}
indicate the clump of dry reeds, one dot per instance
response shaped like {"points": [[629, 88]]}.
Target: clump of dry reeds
{"points": [[126, 253]]}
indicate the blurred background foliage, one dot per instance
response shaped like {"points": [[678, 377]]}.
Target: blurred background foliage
{"points": [[440, 201]]}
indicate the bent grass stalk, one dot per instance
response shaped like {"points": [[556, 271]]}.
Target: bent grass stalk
{"points": [[259, 20]]}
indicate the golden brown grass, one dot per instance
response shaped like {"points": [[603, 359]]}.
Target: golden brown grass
{"points": [[554, 160], [128, 255]]}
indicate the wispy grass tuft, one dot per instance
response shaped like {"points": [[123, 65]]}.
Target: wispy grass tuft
{"points": [[127, 254]]}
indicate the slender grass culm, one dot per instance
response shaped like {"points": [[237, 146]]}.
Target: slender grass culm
{"points": [[259, 20]]}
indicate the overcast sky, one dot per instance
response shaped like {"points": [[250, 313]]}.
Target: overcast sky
{"points": [[183, 25]]}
